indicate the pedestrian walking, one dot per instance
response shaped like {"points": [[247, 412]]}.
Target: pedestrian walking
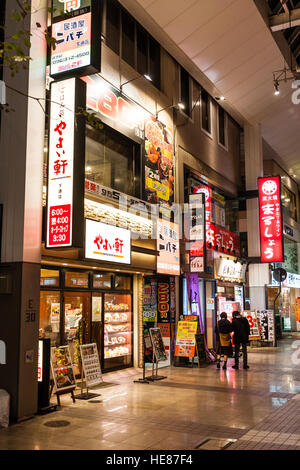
{"points": [[241, 330], [224, 346]]}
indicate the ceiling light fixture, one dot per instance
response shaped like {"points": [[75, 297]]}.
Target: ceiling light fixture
{"points": [[136, 78], [220, 98], [276, 88]]}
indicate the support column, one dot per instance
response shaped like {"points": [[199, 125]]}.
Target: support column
{"points": [[21, 171], [258, 273]]}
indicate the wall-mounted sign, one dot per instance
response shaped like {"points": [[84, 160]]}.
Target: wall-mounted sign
{"points": [[115, 109], [150, 299], [107, 243], [288, 231], [76, 29], [252, 319], [197, 229], [270, 220], [163, 301], [159, 179], [228, 269], [223, 240], [168, 260], [66, 165], [292, 280]]}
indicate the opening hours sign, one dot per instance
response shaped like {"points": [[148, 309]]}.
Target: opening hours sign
{"points": [[270, 220]]}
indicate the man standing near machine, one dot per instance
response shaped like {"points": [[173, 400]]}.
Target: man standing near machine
{"points": [[241, 329]]}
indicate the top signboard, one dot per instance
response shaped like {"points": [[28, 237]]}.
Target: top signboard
{"points": [[270, 219], [75, 28]]}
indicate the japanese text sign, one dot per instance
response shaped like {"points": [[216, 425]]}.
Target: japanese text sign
{"points": [[107, 243], [168, 261], [60, 164], [270, 219]]}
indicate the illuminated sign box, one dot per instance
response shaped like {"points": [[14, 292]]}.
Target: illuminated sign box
{"points": [[270, 220], [65, 207], [75, 27], [107, 243], [168, 261]]}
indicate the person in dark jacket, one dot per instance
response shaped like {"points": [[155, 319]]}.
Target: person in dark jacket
{"points": [[224, 346], [241, 329]]}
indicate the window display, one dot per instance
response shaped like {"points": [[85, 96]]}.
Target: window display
{"points": [[50, 316], [117, 330]]}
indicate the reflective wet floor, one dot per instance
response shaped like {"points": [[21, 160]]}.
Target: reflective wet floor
{"points": [[192, 408]]}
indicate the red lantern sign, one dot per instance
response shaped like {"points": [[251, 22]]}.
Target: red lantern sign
{"points": [[270, 220]]}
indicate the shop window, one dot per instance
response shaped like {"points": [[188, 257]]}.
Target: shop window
{"points": [[101, 281], [49, 278], [185, 90], [123, 282], [113, 26], [112, 160], [205, 111], [291, 256], [128, 31], [76, 279], [222, 127], [288, 200], [50, 316]]}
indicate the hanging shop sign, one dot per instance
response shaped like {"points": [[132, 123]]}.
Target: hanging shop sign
{"points": [[62, 369], [163, 301], [270, 220], [91, 364], [150, 299], [197, 231], [223, 240], [206, 190], [159, 163], [66, 165], [76, 29], [107, 243], [265, 319], [115, 110], [158, 345], [185, 338], [228, 269], [252, 319], [168, 260]]}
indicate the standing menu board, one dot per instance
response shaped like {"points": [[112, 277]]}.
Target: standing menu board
{"points": [[91, 364], [266, 324], [200, 347], [62, 369], [185, 338], [158, 345], [252, 319]]}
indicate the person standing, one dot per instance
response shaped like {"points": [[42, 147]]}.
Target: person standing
{"points": [[224, 346], [241, 329]]}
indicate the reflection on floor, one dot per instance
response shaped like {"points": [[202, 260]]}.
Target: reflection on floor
{"points": [[194, 408]]}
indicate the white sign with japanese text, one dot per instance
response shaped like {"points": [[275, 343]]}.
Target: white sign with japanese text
{"points": [[61, 163], [107, 243]]}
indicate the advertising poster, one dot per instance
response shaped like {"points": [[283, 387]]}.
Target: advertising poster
{"points": [[168, 260], [252, 319], [62, 369], [197, 232], [150, 299], [55, 312], [96, 309], [265, 320], [159, 164], [163, 301], [91, 365], [185, 339], [158, 344]]}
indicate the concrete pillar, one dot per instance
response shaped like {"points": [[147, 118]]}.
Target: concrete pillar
{"points": [[21, 170], [258, 273]]}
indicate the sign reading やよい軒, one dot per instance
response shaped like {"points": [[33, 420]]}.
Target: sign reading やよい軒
{"points": [[270, 220]]}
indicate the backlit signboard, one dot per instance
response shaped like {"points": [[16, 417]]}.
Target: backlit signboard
{"points": [[168, 260], [74, 27], [65, 164], [107, 243], [270, 220]]}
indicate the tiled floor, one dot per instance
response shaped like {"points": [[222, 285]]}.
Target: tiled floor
{"points": [[191, 409]]}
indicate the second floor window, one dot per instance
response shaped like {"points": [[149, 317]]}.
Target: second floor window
{"points": [[222, 126], [185, 90], [205, 112]]}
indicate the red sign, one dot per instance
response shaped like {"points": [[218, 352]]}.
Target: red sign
{"points": [[271, 244], [60, 225], [223, 240]]}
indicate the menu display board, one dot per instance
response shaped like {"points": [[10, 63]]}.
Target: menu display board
{"points": [[270, 220], [200, 347], [265, 320], [91, 364], [158, 345], [185, 338], [62, 369], [252, 319]]}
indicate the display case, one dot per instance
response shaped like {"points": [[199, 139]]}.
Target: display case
{"points": [[118, 331]]}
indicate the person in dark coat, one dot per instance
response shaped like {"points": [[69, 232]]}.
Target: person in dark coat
{"points": [[241, 329], [224, 346]]}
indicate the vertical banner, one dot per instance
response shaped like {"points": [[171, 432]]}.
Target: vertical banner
{"points": [[197, 231], [150, 299], [270, 220], [66, 159], [163, 300]]}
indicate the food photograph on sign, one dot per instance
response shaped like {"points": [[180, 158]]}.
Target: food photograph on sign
{"points": [[159, 177]]}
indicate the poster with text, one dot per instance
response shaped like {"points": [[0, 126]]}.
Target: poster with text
{"points": [[91, 364], [62, 369], [252, 319]]}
